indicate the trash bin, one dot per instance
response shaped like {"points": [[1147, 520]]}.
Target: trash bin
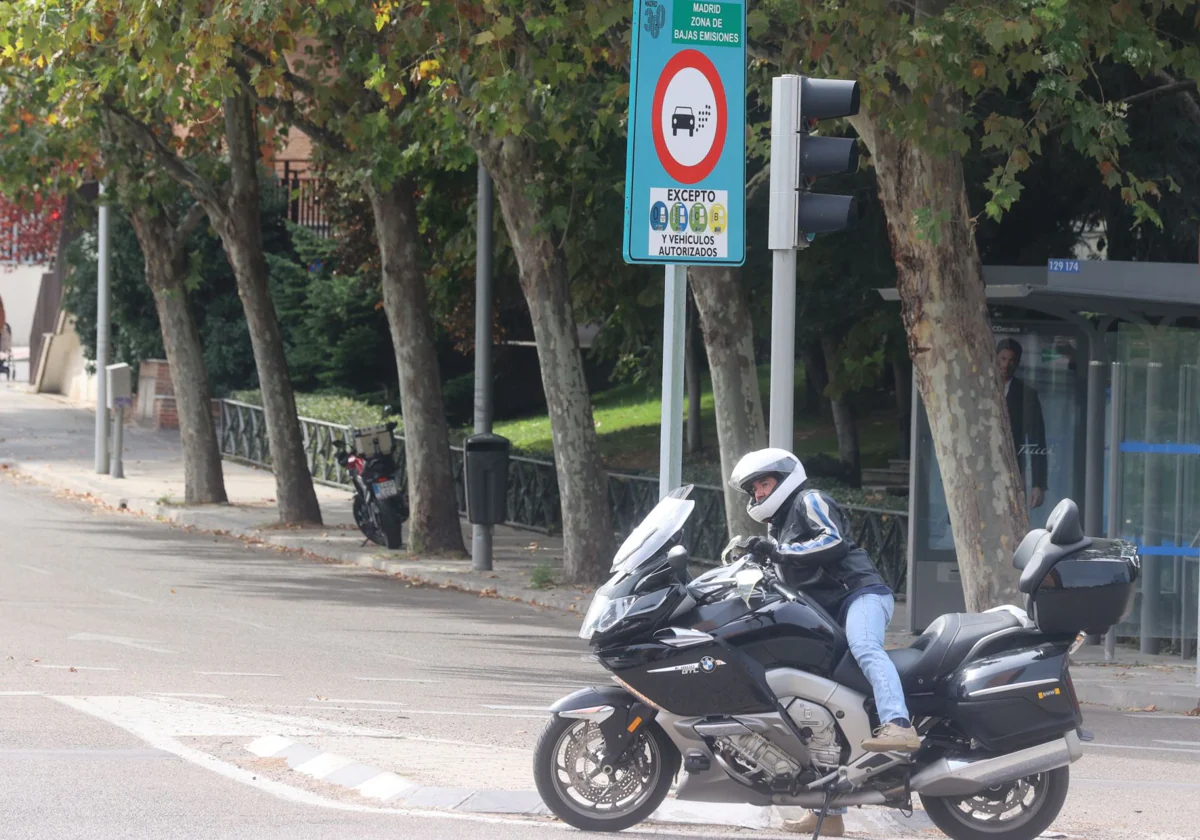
{"points": [[486, 475]]}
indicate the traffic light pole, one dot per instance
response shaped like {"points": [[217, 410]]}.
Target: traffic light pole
{"points": [[785, 135], [797, 214]]}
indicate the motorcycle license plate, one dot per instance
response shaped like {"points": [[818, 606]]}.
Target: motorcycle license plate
{"points": [[385, 489]]}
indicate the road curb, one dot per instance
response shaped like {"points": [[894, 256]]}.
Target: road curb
{"points": [[1164, 698]]}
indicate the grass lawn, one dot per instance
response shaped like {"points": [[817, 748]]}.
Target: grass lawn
{"points": [[628, 417]]}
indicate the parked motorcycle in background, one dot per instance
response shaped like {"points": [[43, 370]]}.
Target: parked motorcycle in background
{"points": [[380, 508]]}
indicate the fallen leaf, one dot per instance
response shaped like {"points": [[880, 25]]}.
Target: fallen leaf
{"points": [[319, 697], [172, 591], [72, 670], [1193, 713], [1150, 708]]}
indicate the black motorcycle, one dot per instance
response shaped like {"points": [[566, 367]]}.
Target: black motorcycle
{"points": [[380, 506], [750, 688]]}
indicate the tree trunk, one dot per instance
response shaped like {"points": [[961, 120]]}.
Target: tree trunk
{"points": [[844, 422], [729, 340], [944, 306], [166, 265], [816, 378], [433, 519], [691, 372], [583, 486], [240, 229]]}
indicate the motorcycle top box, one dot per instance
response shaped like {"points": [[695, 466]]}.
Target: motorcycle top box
{"points": [[747, 691], [1074, 583]]}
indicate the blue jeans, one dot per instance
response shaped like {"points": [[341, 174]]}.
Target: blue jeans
{"points": [[866, 621]]}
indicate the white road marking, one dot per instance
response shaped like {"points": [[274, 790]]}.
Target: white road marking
{"points": [[269, 745], [33, 569], [1178, 743], [74, 667], [130, 595], [255, 779], [406, 659], [242, 621], [363, 702], [233, 674], [21, 693], [1146, 749], [140, 644], [323, 765], [517, 708], [202, 696], [395, 679]]}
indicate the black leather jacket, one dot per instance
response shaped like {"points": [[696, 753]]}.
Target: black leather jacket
{"points": [[817, 555]]}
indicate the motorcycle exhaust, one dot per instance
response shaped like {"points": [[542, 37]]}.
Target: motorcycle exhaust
{"points": [[962, 777]]}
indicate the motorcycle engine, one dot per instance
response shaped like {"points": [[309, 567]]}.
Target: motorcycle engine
{"points": [[824, 746], [759, 756]]}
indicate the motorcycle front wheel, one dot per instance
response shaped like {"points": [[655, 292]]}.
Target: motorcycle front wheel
{"points": [[1018, 810], [585, 796]]}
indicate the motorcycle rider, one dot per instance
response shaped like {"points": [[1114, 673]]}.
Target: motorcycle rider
{"points": [[808, 536]]}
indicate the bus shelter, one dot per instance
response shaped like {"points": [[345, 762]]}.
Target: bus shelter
{"points": [[1090, 352]]}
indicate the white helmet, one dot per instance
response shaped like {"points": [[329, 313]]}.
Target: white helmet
{"points": [[786, 468]]}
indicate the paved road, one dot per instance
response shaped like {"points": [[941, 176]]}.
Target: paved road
{"points": [[138, 663]]}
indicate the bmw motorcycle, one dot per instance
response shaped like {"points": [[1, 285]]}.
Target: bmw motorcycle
{"points": [[380, 507], [749, 688]]}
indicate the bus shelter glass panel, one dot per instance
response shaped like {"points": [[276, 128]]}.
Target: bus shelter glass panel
{"points": [[1043, 366], [1159, 483]]}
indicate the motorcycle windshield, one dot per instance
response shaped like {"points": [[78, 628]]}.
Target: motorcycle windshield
{"points": [[648, 538]]}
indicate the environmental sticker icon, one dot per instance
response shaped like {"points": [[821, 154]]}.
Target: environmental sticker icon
{"points": [[679, 217], [658, 216], [699, 218], [656, 17], [717, 218]]}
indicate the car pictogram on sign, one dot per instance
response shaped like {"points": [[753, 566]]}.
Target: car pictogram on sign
{"points": [[681, 119]]}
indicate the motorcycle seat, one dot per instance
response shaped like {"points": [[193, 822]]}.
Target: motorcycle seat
{"points": [[937, 653]]}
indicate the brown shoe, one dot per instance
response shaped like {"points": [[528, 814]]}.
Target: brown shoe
{"points": [[834, 826], [892, 737]]}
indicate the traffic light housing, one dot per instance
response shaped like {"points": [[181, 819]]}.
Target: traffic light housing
{"points": [[820, 212]]}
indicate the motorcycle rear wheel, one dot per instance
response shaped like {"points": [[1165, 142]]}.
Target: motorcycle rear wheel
{"points": [[582, 795], [1003, 812]]}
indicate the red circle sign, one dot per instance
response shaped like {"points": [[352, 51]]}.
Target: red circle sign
{"points": [[683, 173]]}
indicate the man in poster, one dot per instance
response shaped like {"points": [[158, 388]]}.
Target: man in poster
{"points": [[1025, 416]]}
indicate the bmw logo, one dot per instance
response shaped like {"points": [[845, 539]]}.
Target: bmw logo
{"points": [[707, 664]]}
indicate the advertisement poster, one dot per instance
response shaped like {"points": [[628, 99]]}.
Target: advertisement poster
{"points": [[1044, 374]]}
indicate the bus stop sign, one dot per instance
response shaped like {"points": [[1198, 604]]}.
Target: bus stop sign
{"points": [[685, 165]]}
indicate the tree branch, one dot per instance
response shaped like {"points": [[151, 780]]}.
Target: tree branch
{"points": [[185, 227], [290, 112], [1189, 102], [148, 142], [1172, 87]]}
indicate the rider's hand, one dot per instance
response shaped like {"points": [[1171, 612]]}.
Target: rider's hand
{"points": [[763, 547]]}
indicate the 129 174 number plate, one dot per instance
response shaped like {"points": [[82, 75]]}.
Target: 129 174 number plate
{"points": [[385, 489]]}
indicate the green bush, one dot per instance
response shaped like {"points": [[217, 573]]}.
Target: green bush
{"points": [[331, 408]]}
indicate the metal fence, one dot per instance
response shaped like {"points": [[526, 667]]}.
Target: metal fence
{"points": [[533, 498]]}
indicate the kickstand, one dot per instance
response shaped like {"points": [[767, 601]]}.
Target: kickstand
{"points": [[363, 544], [821, 816]]}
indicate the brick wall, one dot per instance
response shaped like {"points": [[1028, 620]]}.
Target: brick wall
{"points": [[166, 413]]}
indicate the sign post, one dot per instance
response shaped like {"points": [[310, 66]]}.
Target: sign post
{"points": [[685, 167]]}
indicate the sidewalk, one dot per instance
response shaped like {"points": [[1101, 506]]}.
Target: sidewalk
{"points": [[50, 440]]}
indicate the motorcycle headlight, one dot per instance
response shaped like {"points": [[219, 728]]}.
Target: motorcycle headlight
{"points": [[604, 613]]}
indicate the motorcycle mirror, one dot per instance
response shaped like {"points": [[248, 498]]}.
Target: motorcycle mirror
{"points": [[387, 411], [677, 559], [339, 444], [745, 581]]}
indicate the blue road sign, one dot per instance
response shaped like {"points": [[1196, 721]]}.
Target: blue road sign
{"points": [[685, 166]]}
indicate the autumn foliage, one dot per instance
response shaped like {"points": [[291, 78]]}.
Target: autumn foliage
{"points": [[29, 232]]}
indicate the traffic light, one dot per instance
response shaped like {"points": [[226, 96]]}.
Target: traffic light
{"points": [[822, 99]]}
